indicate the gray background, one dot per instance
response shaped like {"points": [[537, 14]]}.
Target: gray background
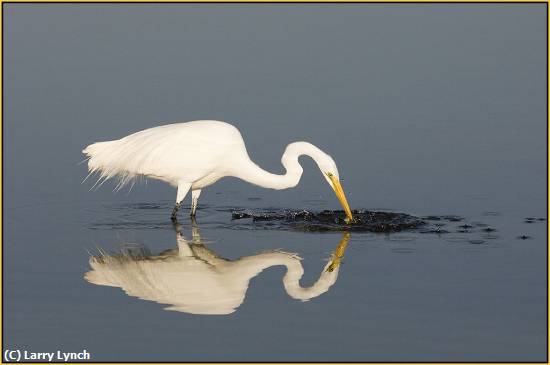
{"points": [[426, 108]]}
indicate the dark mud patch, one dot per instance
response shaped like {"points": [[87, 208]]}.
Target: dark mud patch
{"points": [[331, 220], [364, 221]]}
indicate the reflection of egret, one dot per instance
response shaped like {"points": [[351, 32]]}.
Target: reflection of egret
{"points": [[193, 279], [193, 155]]}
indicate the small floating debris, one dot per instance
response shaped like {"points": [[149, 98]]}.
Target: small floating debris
{"points": [[448, 218], [436, 230], [488, 229], [524, 237], [534, 220], [466, 226]]}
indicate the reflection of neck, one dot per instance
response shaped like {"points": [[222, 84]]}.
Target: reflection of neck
{"points": [[248, 267], [294, 272]]}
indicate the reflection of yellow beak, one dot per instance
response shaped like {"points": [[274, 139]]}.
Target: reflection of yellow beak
{"points": [[339, 252], [340, 195]]}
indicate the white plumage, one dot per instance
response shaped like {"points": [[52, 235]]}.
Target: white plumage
{"points": [[193, 155], [171, 153]]}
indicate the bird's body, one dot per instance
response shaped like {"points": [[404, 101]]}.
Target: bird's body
{"points": [[193, 155], [156, 153]]}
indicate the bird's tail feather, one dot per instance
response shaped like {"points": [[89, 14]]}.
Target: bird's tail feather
{"points": [[104, 158]]}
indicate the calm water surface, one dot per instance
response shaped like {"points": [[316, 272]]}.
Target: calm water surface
{"points": [[427, 111]]}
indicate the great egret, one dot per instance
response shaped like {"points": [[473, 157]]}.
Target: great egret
{"points": [[193, 155], [193, 279]]}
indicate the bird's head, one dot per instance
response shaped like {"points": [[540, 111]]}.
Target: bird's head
{"points": [[330, 173], [325, 163]]}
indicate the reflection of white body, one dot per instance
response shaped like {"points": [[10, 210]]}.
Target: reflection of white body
{"points": [[193, 279]]}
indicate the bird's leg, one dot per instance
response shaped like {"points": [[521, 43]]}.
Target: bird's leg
{"points": [[174, 216], [184, 248], [194, 200], [183, 188]]}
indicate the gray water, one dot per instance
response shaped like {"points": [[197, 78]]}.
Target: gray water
{"points": [[427, 109]]}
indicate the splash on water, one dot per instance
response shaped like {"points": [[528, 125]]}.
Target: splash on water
{"points": [[331, 220]]}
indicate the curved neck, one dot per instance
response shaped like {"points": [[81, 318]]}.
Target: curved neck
{"points": [[254, 174], [253, 265]]}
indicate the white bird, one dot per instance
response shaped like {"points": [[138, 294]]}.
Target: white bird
{"points": [[193, 155], [193, 279]]}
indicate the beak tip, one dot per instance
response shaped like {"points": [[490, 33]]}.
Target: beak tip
{"points": [[342, 198]]}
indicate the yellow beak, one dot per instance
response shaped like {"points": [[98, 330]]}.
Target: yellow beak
{"points": [[341, 196]]}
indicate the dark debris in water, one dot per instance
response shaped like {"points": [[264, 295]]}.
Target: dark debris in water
{"points": [[436, 230], [448, 218], [364, 221], [332, 220]]}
